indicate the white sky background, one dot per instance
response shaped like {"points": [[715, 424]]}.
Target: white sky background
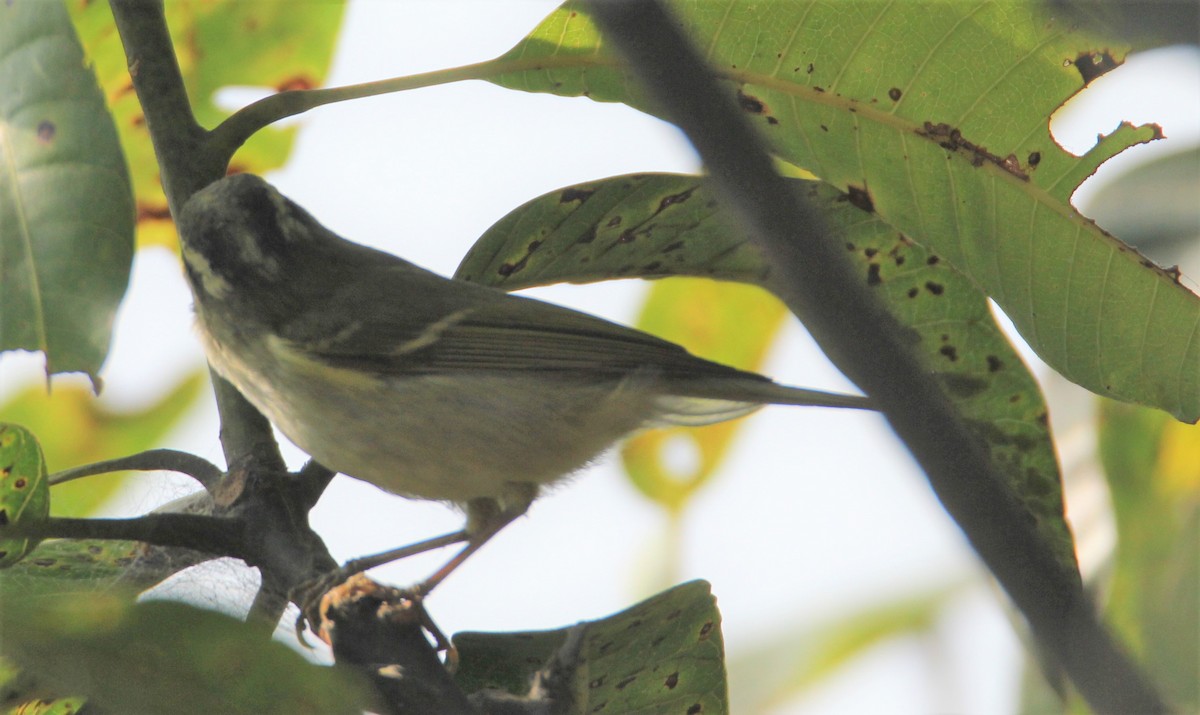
{"points": [[819, 512]]}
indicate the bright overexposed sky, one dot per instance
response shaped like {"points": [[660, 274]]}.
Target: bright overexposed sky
{"points": [[819, 512]]}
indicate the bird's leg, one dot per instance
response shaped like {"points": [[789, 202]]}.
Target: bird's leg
{"points": [[365, 563], [485, 518]]}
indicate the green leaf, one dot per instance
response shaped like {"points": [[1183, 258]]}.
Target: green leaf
{"points": [[66, 208], [220, 43], [185, 659], [935, 116], [1152, 464], [76, 428], [662, 655], [24, 488], [651, 225]]}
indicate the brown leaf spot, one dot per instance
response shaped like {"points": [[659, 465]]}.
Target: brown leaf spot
{"points": [[614, 222], [147, 212], [626, 682], [588, 236], [706, 629], [935, 288], [949, 351], [873, 278], [824, 128], [1035, 158], [994, 364], [672, 680], [296, 82], [46, 130], [860, 197], [21, 483], [1093, 64], [810, 68], [913, 292], [580, 195], [750, 103], [894, 94], [3, 517], [695, 709], [932, 260], [672, 199]]}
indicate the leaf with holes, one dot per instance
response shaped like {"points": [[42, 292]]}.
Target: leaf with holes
{"points": [[24, 488], [653, 225], [66, 208], [664, 655], [936, 117]]}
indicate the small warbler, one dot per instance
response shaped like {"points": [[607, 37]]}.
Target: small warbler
{"points": [[429, 387]]}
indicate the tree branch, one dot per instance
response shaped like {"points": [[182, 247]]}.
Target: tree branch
{"points": [[818, 283], [210, 534], [187, 163]]}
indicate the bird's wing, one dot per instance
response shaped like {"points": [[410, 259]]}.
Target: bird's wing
{"points": [[410, 322]]}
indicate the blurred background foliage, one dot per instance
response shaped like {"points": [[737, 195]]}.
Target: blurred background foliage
{"points": [[1148, 464]]}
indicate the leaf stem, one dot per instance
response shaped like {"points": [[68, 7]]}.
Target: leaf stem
{"points": [[230, 134], [198, 468]]}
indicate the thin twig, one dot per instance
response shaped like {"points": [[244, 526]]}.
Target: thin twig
{"points": [[170, 460]]}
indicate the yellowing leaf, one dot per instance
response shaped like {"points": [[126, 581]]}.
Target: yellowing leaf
{"points": [[730, 323], [220, 43]]}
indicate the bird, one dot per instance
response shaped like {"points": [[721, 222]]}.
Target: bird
{"points": [[430, 387]]}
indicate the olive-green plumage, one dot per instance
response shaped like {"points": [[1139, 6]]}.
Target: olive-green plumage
{"points": [[425, 386]]}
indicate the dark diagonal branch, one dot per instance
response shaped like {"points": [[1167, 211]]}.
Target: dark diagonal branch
{"points": [[817, 282], [187, 163]]}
